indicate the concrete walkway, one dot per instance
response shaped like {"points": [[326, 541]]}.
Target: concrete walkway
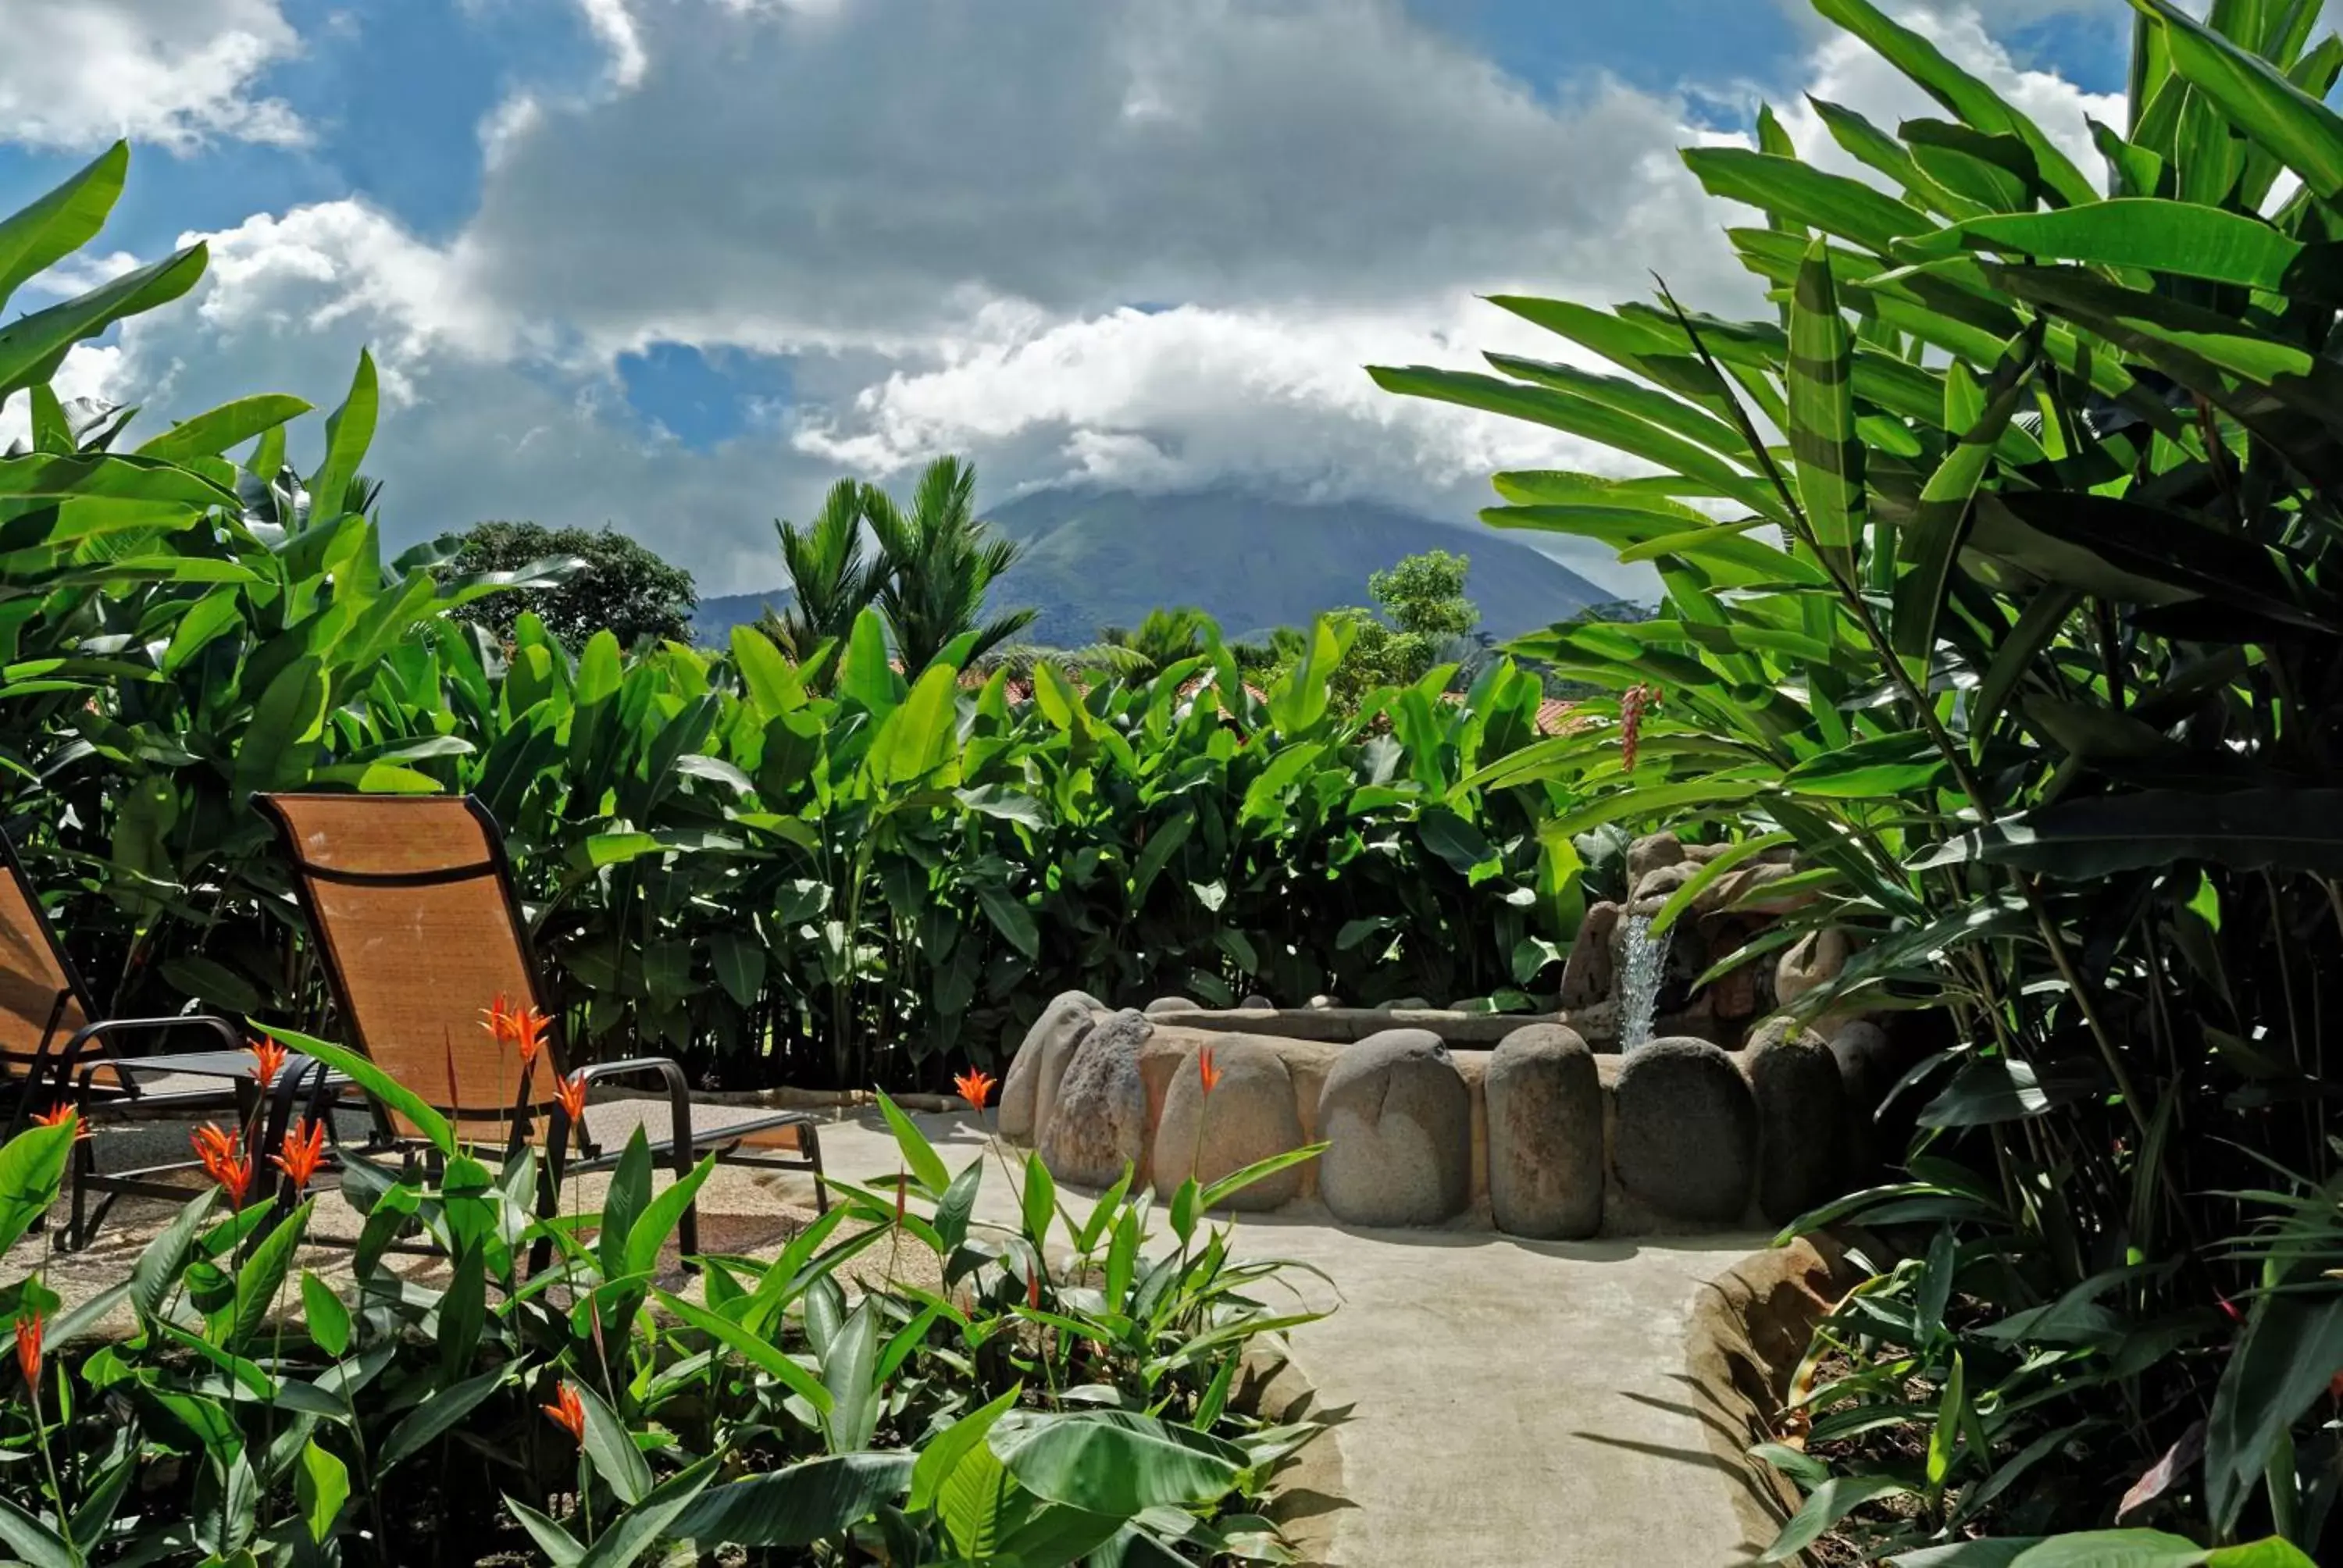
{"points": [[1512, 1405]]}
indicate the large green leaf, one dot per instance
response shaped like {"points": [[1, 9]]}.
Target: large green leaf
{"points": [[2183, 239], [1579, 416], [2255, 97], [31, 344], [53, 227], [350, 430], [943, 1452], [1106, 1462], [32, 1174], [435, 1416], [629, 1538], [276, 748], [1974, 102], [1828, 1504], [2081, 841], [798, 1506], [1830, 457], [2290, 1347], [1801, 194], [394, 1095], [920, 737], [52, 476], [209, 434]]}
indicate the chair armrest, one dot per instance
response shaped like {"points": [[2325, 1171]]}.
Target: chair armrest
{"points": [[679, 1095], [104, 1027]]}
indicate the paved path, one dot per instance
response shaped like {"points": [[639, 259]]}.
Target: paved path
{"points": [[1512, 1405]]}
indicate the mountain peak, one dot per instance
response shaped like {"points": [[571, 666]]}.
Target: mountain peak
{"points": [[1097, 557]]}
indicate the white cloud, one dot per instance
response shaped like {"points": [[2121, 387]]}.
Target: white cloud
{"points": [[946, 221], [614, 26], [77, 74]]}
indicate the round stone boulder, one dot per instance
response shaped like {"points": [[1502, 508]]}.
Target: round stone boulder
{"points": [[1812, 960], [1099, 1122], [1801, 1120], [1546, 1135], [1405, 1004], [1257, 1003], [1649, 853], [1397, 1120], [1586, 974], [1868, 1067], [1249, 1116], [1653, 887], [1685, 1142], [1055, 1033], [1164, 1004]]}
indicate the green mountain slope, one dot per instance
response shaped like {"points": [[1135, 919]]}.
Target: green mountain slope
{"points": [[1106, 557]]}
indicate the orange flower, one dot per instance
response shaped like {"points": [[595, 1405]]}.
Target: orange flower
{"points": [[570, 1095], [1208, 1069], [567, 1411], [302, 1152], [65, 1116], [901, 1181], [224, 1162], [28, 1350], [530, 1033], [267, 1060], [498, 1019], [975, 1087], [1033, 1290]]}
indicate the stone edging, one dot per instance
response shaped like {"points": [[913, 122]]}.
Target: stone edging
{"points": [[1307, 1496], [1749, 1329]]}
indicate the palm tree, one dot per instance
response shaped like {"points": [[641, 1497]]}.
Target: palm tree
{"points": [[1164, 639], [830, 581], [937, 560]]}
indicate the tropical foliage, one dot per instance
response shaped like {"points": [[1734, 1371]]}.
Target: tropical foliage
{"points": [[842, 868], [1068, 1394], [2002, 581]]}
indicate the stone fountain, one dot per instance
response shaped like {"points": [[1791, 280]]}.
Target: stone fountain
{"points": [[1717, 1114]]}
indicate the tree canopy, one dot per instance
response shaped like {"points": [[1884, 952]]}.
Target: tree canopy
{"points": [[625, 587]]}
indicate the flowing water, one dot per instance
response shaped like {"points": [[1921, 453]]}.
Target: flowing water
{"points": [[1639, 986]]}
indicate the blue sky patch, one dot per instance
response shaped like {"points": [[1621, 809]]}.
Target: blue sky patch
{"points": [[702, 398]]}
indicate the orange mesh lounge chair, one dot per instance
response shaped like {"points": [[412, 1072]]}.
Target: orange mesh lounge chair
{"points": [[410, 898], [57, 1048]]}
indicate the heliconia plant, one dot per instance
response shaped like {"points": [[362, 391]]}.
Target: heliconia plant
{"points": [[2002, 562], [1064, 1397]]}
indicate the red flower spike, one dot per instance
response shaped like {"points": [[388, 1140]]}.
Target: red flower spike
{"points": [[305, 1149], [267, 1061], [1208, 1069], [29, 1349], [976, 1088], [65, 1116], [224, 1162], [567, 1411], [570, 1095], [529, 1032], [498, 1019]]}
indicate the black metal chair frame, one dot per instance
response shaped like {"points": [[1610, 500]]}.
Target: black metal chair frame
{"points": [[679, 1146], [86, 1052]]}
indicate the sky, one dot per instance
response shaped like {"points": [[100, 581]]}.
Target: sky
{"points": [[677, 265]]}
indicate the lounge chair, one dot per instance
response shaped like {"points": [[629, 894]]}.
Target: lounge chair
{"points": [[411, 902], [57, 1048]]}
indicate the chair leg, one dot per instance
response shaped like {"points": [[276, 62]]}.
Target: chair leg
{"points": [[811, 1139], [85, 1164]]}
